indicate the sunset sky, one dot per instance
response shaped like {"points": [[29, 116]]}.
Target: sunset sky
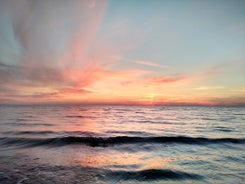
{"points": [[140, 52]]}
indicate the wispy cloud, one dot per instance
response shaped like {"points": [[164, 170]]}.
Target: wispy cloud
{"points": [[148, 63], [30, 76], [218, 69], [53, 40], [209, 87], [166, 79]]}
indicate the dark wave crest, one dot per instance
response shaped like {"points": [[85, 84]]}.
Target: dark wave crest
{"points": [[154, 174], [67, 133], [88, 175], [78, 116], [108, 141]]}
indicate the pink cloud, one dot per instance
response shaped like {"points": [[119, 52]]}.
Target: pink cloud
{"points": [[166, 79]]}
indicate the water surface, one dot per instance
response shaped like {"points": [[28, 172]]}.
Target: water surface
{"points": [[121, 144]]}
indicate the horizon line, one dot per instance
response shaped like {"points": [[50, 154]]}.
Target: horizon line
{"points": [[124, 104]]}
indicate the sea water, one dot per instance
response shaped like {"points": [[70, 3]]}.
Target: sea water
{"points": [[121, 144]]}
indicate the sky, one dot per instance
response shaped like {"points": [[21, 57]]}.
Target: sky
{"points": [[132, 52]]}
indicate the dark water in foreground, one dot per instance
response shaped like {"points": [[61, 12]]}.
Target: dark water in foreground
{"points": [[121, 144]]}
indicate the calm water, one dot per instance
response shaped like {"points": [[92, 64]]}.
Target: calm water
{"points": [[121, 144]]}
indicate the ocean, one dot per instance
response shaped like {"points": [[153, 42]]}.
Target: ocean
{"points": [[121, 144]]}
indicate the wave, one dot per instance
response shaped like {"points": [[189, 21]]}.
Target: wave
{"points": [[80, 133], [78, 116], [130, 132], [110, 141], [88, 174], [153, 174], [223, 129], [28, 124]]}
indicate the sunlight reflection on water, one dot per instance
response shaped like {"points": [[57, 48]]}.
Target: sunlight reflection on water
{"points": [[25, 143]]}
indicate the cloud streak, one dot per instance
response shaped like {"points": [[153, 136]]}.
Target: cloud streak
{"points": [[148, 63], [53, 41], [209, 87], [166, 79]]}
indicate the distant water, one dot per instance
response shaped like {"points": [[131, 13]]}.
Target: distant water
{"points": [[121, 144]]}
